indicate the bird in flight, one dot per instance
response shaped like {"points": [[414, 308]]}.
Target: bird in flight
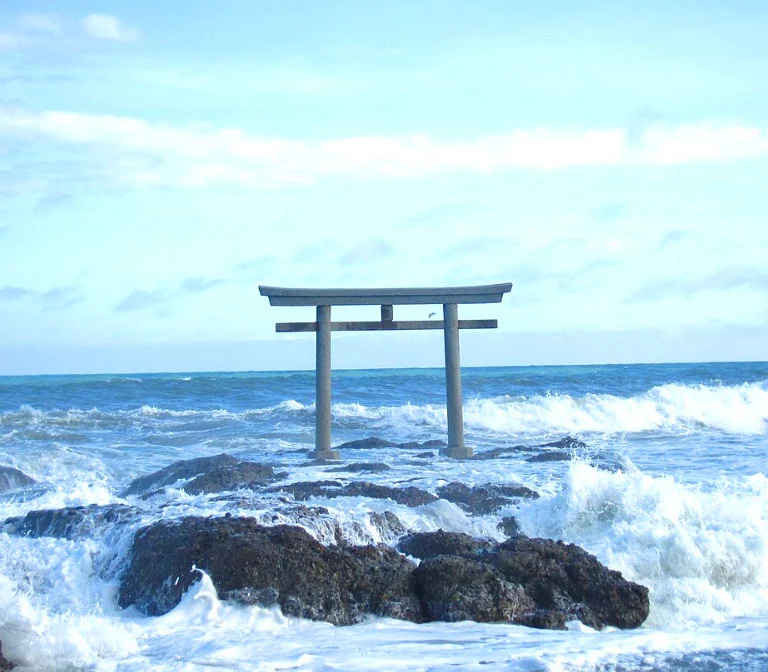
{"points": [[432, 314]]}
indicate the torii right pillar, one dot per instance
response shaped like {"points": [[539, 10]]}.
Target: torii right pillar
{"points": [[456, 447]]}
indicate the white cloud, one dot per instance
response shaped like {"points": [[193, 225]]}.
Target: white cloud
{"points": [[106, 27], [136, 152], [41, 23]]}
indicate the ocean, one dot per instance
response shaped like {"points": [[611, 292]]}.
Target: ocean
{"points": [[669, 488]]}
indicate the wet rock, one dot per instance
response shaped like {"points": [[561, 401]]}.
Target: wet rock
{"points": [[303, 490], [387, 524], [425, 545], [484, 499], [376, 442], [554, 456], [356, 467], [408, 496], [424, 456], [205, 474], [72, 522], [230, 477], [370, 442], [13, 479], [509, 526], [5, 664], [561, 582], [567, 442], [565, 578], [281, 565], [502, 452], [453, 588]]}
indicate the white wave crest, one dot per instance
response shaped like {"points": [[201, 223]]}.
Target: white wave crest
{"points": [[703, 554], [741, 409]]}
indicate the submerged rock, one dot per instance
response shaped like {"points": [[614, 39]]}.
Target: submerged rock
{"points": [[553, 456], [204, 475], [509, 526], [282, 565], [483, 499], [387, 524], [13, 479], [408, 496], [72, 522], [5, 664], [376, 442], [564, 443], [357, 467]]}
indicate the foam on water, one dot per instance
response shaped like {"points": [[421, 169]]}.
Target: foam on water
{"points": [[703, 553]]}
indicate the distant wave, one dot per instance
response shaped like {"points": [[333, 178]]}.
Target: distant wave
{"points": [[740, 409]]}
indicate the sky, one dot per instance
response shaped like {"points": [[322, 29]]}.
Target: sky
{"points": [[159, 161]]}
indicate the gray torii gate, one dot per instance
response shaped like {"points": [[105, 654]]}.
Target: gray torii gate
{"points": [[323, 299]]}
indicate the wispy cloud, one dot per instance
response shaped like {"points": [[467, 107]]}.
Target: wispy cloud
{"points": [[734, 277], [52, 299], [366, 252], [141, 299], [672, 237], [36, 30], [107, 27], [194, 156]]}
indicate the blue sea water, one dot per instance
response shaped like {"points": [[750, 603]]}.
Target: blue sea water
{"points": [[670, 489]]}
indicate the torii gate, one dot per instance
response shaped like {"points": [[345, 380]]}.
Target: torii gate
{"points": [[323, 299]]}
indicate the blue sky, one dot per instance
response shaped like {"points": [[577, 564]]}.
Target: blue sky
{"points": [[158, 161]]}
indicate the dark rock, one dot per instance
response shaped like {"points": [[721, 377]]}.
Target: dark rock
{"points": [[509, 526], [562, 581], [424, 545], [69, 523], [5, 664], [280, 565], [423, 456], [363, 466], [13, 479], [564, 443], [453, 588], [205, 474], [303, 490], [388, 525], [231, 477], [565, 578], [409, 496], [185, 469], [376, 442], [370, 442], [554, 456], [484, 499]]}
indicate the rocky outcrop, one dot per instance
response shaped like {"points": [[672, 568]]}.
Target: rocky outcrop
{"points": [[534, 582], [357, 467], [376, 442], [282, 565], [69, 523], [13, 479], [217, 473], [408, 496], [484, 499], [560, 582], [553, 456], [388, 525]]}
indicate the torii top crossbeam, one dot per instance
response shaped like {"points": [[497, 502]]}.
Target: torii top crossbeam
{"points": [[323, 299]]}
